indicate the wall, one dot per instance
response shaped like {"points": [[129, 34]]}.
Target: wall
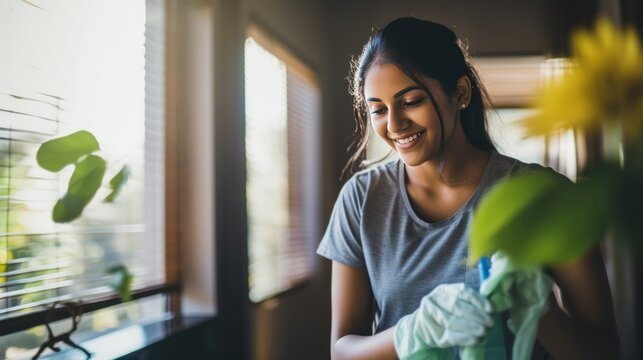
{"points": [[190, 110]]}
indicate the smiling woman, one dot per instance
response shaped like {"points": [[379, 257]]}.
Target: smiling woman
{"points": [[399, 232]]}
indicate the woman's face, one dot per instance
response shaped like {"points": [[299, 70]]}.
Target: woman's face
{"points": [[403, 115]]}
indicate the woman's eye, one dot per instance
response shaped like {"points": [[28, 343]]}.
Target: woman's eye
{"points": [[412, 103], [378, 111]]}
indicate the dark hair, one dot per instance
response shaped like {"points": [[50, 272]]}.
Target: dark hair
{"points": [[424, 47]]}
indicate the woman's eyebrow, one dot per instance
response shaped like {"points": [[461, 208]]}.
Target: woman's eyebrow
{"points": [[397, 94]]}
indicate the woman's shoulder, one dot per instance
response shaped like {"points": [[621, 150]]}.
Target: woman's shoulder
{"points": [[385, 174], [374, 183], [507, 165], [512, 166]]}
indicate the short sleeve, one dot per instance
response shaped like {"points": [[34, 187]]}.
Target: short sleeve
{"points": [[342, 240]]}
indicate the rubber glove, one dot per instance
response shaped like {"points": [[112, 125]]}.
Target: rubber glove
{"points": [[525, 292], [451, 315]]}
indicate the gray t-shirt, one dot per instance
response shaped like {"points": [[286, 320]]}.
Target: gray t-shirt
{"points": [[374, 228]]}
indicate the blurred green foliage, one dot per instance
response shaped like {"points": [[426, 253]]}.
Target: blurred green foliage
{"points": [[77, 150], [117, 183], [541, 218], [56, 154]]}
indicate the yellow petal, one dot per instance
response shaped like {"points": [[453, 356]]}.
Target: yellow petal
{"points": [[605, 83]]}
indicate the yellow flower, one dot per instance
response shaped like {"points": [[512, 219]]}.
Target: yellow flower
{"points": [[604, 83]]}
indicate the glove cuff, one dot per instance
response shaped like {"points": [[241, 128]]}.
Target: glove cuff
{"points": [[401, 336], [409, 347]]}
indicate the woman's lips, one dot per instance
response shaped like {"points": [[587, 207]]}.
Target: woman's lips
{"points": [[410, 141]]}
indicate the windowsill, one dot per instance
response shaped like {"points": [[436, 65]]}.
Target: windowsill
{"points": [[184, 334], [293, 289]]}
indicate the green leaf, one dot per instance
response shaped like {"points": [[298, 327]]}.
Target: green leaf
{"points": [[502, 205], [117, 182], [68, 208], [540, 218], [55, 154], [121, 281], [84, 183]]}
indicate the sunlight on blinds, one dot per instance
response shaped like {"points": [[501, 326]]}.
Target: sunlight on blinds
{"points": [[282, 142], [71, 65], [267, 166]]}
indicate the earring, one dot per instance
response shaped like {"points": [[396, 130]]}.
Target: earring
{"points": [[463, 106]]}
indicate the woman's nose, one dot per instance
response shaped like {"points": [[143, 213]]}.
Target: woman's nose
{"points": [[396, 122]]}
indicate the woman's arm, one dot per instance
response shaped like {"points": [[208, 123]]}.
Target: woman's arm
{"points": [[586, 328], [351, 298]]}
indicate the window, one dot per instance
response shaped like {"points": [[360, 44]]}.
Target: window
{"points": [[67, 66], [512, 83], [282, 122]]}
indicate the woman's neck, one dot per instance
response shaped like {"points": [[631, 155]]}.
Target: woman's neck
{"points": [[463, 166]]}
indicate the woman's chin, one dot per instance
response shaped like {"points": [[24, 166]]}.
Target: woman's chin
{"points": [[410, 160], [418, 159]]}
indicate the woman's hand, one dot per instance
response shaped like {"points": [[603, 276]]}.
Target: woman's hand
{"points": [[451, 315]]}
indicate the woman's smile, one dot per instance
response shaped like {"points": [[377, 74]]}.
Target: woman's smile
{"points": [[407, 142]]}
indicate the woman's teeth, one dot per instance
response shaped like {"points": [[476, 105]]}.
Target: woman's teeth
{"points": [[408, 139]]}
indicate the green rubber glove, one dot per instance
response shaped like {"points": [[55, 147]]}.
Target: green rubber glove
{"points": [[451, 315], [522, 290]]}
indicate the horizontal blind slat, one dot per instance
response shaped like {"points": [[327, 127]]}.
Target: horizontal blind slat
{"points": [[28, 280], [34, 269], [35, 289]]}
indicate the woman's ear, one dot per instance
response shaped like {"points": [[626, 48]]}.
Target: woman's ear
{"points": [[463, 92]]}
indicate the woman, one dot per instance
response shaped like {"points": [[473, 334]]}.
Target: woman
{"points": [[398, 234]]}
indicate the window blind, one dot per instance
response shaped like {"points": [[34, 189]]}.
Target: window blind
{"points": [[66, 67], [303, 175], [282, 121]]}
